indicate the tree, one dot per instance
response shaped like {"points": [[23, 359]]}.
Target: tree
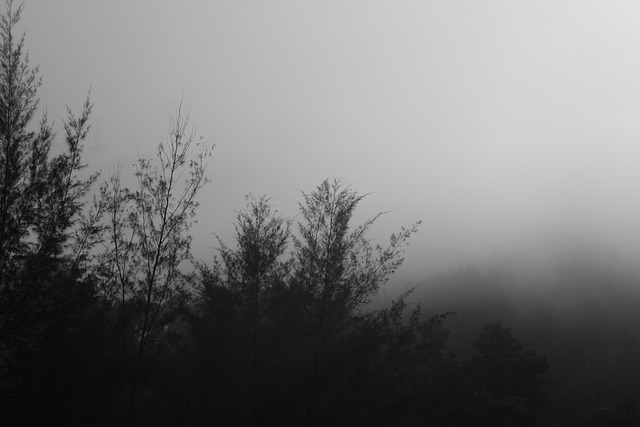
{"points": [[270, 326], [506, 368], [506, 379], [45, 235], [337, 266], [21, 150], [148, 236], [254, 266], [245, 279]]}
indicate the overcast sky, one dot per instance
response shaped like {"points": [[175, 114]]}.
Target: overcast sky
{"points": [[492, 121]]}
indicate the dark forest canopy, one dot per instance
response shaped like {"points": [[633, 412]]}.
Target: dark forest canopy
{"points": [[106, 318]]}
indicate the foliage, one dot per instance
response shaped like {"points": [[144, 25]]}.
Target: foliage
{"points": [[103, 321], [147, 228], [46, 301], [337, 267], [147, 236], [336, 264], [249, 274]]}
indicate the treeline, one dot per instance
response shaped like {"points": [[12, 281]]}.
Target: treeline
{"points": [[581, 314], [107, 319]]}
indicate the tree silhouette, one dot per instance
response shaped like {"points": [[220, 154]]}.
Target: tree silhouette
{"points": [[104, 322], [46, 300], [337, 266], [251, 271], [505, 379], [148, 236]]}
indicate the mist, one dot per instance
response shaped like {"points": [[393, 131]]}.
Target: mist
{"points": [[510, 131], [492, 123]]}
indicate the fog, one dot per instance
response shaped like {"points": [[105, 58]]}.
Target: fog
{"points": [[505, 128], [510, 130]]}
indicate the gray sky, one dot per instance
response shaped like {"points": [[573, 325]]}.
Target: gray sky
{"points": [[495, 122]]}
